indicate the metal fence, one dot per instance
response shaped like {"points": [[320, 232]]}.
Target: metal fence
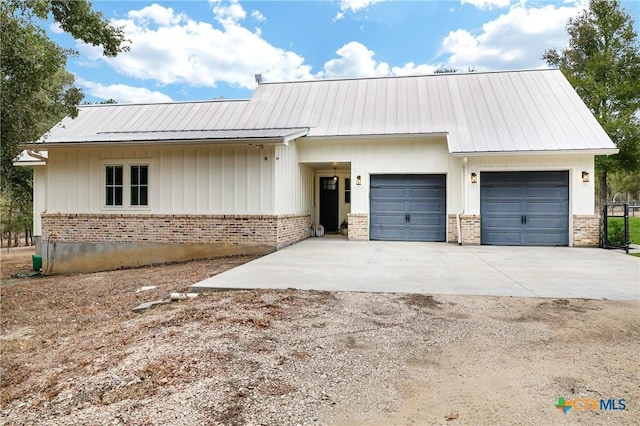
{"points": [[614, 229]]}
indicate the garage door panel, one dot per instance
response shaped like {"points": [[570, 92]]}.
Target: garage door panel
{"points": [[524, 208], [547, 207], [502, 192], [388, 192], [389, 206], [546, 222], [502, 207], [391, 234], [430, 193], [499, 222], [426, 206], [422, 220], [391, 219], [418, 203]]}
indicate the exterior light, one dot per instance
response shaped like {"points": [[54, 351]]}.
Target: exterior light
{"points": [[358, 180], [585, 176], [474, 177], [335, 176]]}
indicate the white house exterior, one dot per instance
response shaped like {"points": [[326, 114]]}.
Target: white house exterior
{"points": [[478, 158]]}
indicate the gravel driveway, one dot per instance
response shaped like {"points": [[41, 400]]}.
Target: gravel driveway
{"points": [[73, 352]]}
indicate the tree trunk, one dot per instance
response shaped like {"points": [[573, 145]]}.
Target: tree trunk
{"points": [[602, 193]]}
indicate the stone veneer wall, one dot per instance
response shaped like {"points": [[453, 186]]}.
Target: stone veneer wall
{"points": [[358, 226], [292, 228], [469, 228], [586, 230], [159, 228], [95, 242]]}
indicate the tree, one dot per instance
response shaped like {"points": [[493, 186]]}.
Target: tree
{"points": [[36, 91], [602, 62]]}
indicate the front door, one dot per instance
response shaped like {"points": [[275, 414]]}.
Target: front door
{"points": [[329, 204]]}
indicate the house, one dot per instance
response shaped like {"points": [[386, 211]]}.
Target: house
{"points": [[480, 158]]}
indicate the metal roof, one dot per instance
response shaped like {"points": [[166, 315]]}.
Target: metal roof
{"points": [[516, 111], [495, 112], [249, 135]]}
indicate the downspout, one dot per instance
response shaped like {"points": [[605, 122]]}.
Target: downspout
{"points": [[464, 199]]}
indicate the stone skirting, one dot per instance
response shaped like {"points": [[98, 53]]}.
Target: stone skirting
{"points": [[358, 226], [586, 230], [469, 229], [92, 242]]}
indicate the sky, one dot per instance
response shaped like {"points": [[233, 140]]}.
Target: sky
{"points": [[199, 49]]}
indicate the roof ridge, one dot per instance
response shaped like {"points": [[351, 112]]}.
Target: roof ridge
{"points": [[389, 77]]}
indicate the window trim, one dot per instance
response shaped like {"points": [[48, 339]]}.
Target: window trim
{"points": [[347, 190], [126, 165]]}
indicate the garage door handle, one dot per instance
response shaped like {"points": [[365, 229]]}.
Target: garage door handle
{"points": [[407, 217], [523, 220]]}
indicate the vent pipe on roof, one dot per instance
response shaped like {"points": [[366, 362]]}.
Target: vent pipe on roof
{"points": [[258, 78]]}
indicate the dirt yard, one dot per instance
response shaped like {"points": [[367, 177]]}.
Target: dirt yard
{"points": [[73, 352]]}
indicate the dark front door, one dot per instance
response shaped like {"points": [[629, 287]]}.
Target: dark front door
{"points": [[329, 204], [524, 208], [408, 208]]}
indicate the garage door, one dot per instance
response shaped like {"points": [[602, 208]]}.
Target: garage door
{"points": [[408, 208], [524, 208]]}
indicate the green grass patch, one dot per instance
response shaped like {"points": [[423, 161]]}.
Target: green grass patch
{"points": [[634, 254], [634, 229], [616, 230]]}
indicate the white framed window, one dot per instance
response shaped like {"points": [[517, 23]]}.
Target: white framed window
{"points": [[126, 185], [347, 190]]}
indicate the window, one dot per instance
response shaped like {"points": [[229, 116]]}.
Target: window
{"points": [[139, 185], [126, 183], [347, 190], [114, 185]]}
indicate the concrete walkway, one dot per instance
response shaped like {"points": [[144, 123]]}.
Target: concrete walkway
{"points": [[336, 264]]}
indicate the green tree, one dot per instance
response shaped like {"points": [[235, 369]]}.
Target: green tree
{"points": [[602, 62], [36, 90]]}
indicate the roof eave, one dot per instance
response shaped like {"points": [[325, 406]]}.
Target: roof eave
{"points": [[595, 151]]}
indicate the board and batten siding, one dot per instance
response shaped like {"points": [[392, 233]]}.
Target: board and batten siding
{"points": [[293, 181], [182, 180], [388, 155]]}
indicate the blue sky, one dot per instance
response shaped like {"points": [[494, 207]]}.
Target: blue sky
{"points": [[192, 50]]}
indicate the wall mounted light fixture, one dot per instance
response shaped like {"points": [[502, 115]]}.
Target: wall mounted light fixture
{"points": [[474, 177], [335, 176], [585, 176], [358, 180]]}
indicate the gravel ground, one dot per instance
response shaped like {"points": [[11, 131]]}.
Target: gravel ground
{"points": [[74, 353]]}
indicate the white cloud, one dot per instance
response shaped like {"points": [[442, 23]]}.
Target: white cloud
{"points": [[156, 14], [412, 69], [55, 28], [353, 6], [258, 16], [487, 4], [171, 48], [228, 14], [122, 93], [356, 60], [515, 40], [357, 5]]}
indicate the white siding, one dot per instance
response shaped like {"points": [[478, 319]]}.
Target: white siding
{"points": [[581, 194], [293, 181], [39, 198], [384, 155], [183, 180]]}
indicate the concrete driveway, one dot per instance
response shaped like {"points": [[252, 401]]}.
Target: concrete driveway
{"points": [[335, 264]]}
